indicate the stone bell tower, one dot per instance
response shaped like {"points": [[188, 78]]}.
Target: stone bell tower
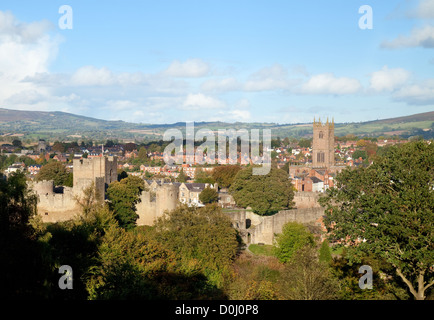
{"points": [[323, 155]]}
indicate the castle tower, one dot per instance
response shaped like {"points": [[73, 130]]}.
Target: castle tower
{"points": [[100, 170], [166, 198], [323, 155]]}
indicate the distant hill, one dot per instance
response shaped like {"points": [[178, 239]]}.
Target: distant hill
{"points": [[63, 126], [426, 116]]}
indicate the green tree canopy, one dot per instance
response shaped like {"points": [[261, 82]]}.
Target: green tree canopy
{"points": [[324, 252], [19, 249], [202, 238], [265, 194], [182, 177], [305, 143], [123, 196], [57, 172], [386, 210], [208, 195], [294, 236], [203, 176], [224, 175], [307, 278], [360, 153]]}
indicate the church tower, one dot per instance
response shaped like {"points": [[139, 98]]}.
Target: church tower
{"points": [[323, 155]]}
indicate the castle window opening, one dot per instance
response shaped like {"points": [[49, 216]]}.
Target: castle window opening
{"points": [[248, 223]]}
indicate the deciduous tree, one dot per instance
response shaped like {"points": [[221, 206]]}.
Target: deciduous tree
{"points": [[294, 237], [224, 175], [387, 210], [55, 171], [208, 195], [123, 196], [265, 194]]}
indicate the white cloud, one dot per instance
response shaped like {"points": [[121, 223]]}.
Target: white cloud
{"points": [[191, 68], [26, 49], [223, 85], [238, 115], [92, 76], [121, 105], [388, 79], [13, 30], [200, 101], [416, 94], [419, 37], [270, 78], [327, 83], [425, 9]]}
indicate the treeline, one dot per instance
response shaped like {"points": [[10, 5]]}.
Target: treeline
{"points": [[186, 255], [380, 216], [190, 253]]}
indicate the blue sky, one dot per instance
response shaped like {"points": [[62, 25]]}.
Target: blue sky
{"points": [[251, 61]]}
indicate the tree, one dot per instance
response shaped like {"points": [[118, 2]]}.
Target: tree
{"points": [[386, 210], [294, 236], [130, 146], [123, 196], [202, 238], [224, 175], [143, 154], [19, 248], [208, 195], [203, 177], [324, 252], [58, 147], [305, 143], [109, 144], [265, 194], [306, 278], [17, 143], [182, 177], [55, 171], [360, 153], [126, 265]]}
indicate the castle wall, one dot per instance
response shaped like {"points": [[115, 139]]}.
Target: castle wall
{"points": [[306, 200], [146, 209], [55, 207], [151, 208], [264, 228], [98, 167]]}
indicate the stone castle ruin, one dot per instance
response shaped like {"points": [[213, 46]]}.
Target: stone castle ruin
{"points": [[256, 229], [58, 203], [159, 197]]}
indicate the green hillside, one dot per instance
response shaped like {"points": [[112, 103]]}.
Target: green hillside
{"points": [[60, 125]]}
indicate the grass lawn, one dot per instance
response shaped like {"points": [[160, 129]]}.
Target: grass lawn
{"points": [[336, 251], [263, 250]]}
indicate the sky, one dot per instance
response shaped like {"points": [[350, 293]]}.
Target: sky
{"points": [[250, 61]]}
